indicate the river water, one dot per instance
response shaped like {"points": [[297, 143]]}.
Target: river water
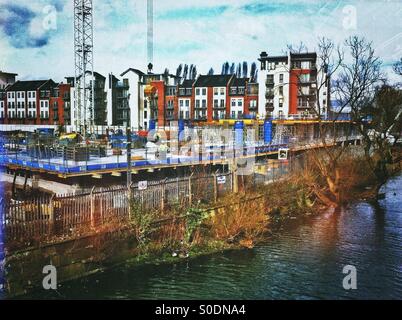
{"points": [[303, 261]]}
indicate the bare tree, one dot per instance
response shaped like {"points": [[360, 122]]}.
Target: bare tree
{"points": [[355, 79], [185, 72], [253, 72], [179, 70], [245, 69], [238, 70], [225, 68], [193, 73], [301, 47], [232, 68]]}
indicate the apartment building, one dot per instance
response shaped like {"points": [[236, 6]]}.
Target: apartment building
{"points": [[28, 102], [6, 79], [151, 97], [185, 99], [211, 97], [218, 97], [288, 86], [60, 104], [118, 110], [98, 114]]}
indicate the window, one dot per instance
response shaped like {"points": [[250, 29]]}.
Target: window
{"points": [[197, 103], [215, 103], [233, 103], [280, 105], [240, 102], [18, 95], [215, 91], [181, 103], [281, 90], [305, 65], [204, 91], [145, 114], [305, 77], [222, 91], [204, 103], [29, 94], [187, 103], [22, 94], [281, 78], [197, 91], [222, 103]]}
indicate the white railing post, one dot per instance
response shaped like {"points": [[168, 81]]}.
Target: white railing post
{"points": [[92, 202]]}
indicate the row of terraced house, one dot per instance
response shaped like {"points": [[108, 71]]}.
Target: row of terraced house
{"points": [[137, 98]]}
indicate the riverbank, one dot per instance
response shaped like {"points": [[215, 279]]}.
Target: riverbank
{"points": [[303, 259], [234, 222]]}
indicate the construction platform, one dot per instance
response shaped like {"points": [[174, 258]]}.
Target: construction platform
{"points": [[118, 163]]}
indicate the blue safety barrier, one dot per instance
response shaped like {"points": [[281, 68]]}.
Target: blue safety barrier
{"points": [[267, 131], [239, 128]]}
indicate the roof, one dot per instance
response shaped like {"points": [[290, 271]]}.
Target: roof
{"points": [[265, 57], [32, 85], [304, 55], [187, 84], [213, 80], [239, 82], [8, 73], [139, 72]]}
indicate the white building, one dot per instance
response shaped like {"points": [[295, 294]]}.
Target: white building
{"points": [[288, 86]]}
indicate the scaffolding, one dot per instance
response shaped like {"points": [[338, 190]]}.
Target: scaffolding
{"points": [[83, 60]]}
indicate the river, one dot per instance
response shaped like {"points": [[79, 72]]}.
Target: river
{"points": [[302, 261]]}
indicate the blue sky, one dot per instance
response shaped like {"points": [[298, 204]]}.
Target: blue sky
{"points": [[205, 33]]}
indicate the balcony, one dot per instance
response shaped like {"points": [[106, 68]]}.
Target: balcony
{"points": [[306, 105], [219, 107], [269, 106]]}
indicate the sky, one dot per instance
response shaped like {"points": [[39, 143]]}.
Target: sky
{"points": [[36, 36]]}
